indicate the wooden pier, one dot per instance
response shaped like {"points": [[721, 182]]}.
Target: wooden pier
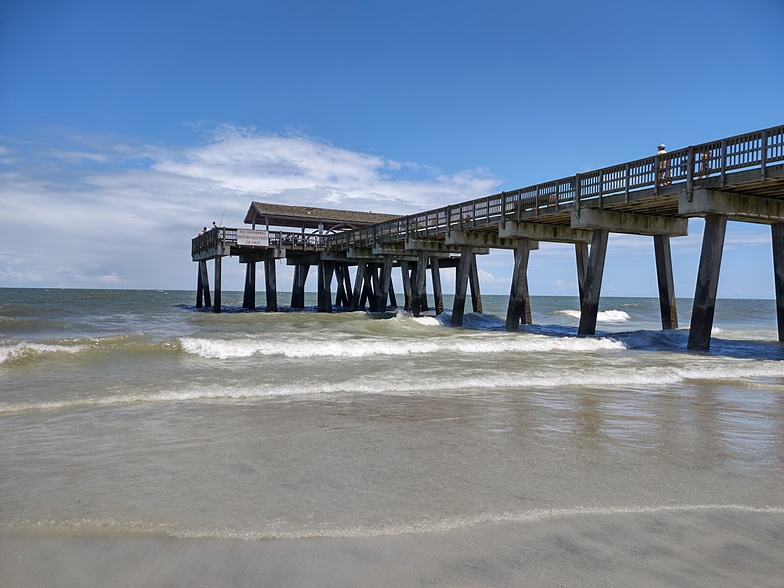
{"points": [[739, 178]]}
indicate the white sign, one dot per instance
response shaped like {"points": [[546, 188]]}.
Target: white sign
{"points": [[252, 237]]}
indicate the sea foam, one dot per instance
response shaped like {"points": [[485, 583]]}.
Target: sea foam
{"points": [[25, 351], [495, 343], [605, 316]]}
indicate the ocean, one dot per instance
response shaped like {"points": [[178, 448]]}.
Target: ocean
{"points": [[144, 442]]}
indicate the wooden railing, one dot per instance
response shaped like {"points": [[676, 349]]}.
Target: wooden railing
{"points": [[757, 150], [211, 240]]}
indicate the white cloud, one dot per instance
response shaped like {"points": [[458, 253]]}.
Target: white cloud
{"points": [[295, 169], [91, 210]]}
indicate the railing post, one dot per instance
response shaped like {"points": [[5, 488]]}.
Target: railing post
{"points": [[723, 162], [536, 202], [764, 155], [690, 177], [601, 187], [627, 180], [503, 210], [577, 195], [656, 175]]}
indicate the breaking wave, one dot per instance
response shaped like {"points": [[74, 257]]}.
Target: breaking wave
{"points": [[208, 347], [605, 316]]}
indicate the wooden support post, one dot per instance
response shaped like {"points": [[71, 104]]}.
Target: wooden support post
{"points": [[205, 281], [374, 302], [367, 287], [359, 280], [217, 306], [777, 236], [461, 283], [581, 251], [424, 306], [203, 286], [294, 282], [298, 287], [589, 308], [669, 312], [406, 274], [435, 276], [199, 294], [476, 296], [707, 282], [412, 276], [341, 299], [249, 295], [419, 284], [326, 270], [347, 286], [392, 297], [329, 273], [385, 284], [519, 308], [320, 279], [271, 285], [370, 295]]}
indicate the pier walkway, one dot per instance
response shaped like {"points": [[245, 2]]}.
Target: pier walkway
{"points": [[738, 178]]}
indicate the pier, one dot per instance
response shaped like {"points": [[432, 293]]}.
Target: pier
{"points": [[738, 178]]}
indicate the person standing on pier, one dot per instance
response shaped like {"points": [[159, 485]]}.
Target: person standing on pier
{"points": [[704, 171], [664, 174]]}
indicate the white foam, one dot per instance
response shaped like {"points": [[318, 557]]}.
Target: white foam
{"points": [[613, 316], [732, 369], [24, 350], [571, 313], [302, 348], [605, 316], [428, 321], [436, 385]]}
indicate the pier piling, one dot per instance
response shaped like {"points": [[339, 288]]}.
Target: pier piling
{"points": [[589, 308], [270, 285], [249, 293], [707, 282], [217, 305], [461, 285], [777, 237], [519, 309], [669, 313]]}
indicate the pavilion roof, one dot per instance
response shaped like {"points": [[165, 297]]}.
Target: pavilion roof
{"points": [[310, 217]]}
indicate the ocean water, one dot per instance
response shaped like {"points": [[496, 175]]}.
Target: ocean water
{"points": [[145, 442]]}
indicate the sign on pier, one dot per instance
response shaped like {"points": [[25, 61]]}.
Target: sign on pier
{"points": [[252, 237]]}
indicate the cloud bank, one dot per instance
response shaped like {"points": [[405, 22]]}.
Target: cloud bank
{"points": [[92, 210]]}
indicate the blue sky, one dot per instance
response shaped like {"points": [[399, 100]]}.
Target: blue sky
{"points": [[126, 126]]}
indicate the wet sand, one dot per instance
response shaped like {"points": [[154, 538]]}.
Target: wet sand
{"points": [[701, 547]]}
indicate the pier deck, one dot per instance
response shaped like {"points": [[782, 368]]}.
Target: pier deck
{"points": [[738, 178]]}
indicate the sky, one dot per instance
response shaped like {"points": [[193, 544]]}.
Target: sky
{"points": [[125, 127]]}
